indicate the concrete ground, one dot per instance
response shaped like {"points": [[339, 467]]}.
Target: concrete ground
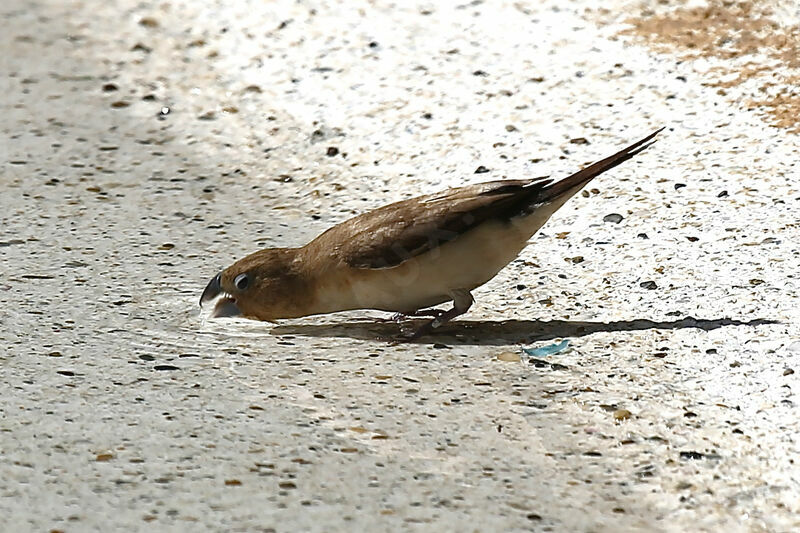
{"points": [[145, 145]]}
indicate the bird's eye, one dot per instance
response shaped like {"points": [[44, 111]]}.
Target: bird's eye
{"points": [[241, 281]]}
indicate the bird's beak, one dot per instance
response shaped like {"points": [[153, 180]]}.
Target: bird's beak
{"points": [[225, 306], [212, 290]]}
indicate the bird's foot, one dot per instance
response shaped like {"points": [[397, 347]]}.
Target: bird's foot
{"points": [[462, 301], [428, 327], [435, 313]]}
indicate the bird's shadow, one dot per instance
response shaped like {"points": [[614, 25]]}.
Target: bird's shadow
{"points": [[488, 332]]}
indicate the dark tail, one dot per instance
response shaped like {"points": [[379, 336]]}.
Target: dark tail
{"points": [[577, 181]]}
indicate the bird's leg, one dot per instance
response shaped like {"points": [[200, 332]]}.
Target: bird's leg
{"points": [[462, 301]]}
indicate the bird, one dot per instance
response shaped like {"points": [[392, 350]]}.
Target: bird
{"points": [[406, 257]]}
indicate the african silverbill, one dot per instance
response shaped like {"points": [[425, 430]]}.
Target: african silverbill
{"points": [[404, 257]]}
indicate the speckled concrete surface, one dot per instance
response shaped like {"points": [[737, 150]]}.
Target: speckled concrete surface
{"points": [[147, 144]]}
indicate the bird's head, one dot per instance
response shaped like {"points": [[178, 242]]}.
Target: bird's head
{"points": [[259, 286]]}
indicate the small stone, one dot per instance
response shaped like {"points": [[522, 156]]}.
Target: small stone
{"points": [[615, 218], [679, 186], [650, 285], [788, 372], [233, 482], [510, 127], [148, 22], [481, 170], [110, 87], [119, 104], [622, 414], [691, 455], [332, 151], [166, 367], [579, 140], [511, 357], [208, 115], [722, 194], [139, 47], [642, 236], [103, 457], [541, 363]]}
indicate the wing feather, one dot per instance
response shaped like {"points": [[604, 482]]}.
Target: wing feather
{"points": [[392, 234]]}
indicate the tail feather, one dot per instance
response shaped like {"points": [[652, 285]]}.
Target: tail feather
{"points": [[578, 180]]}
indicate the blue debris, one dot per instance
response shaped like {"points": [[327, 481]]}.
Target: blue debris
{"points": [[550, 349]]}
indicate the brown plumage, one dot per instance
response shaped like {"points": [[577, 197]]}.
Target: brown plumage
{"points": [[403, 257]]}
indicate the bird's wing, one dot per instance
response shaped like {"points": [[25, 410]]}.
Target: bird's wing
{"points": [[392, 234]]}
